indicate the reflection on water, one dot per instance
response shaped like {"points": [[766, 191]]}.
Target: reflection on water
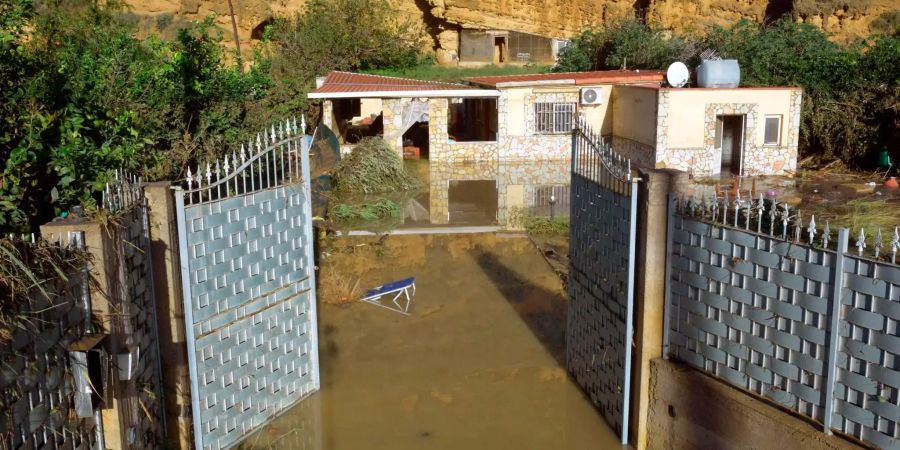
{"points": [[478, 364], [487, 192]]}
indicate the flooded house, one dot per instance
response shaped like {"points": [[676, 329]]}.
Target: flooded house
{"points": [[498, 144]]}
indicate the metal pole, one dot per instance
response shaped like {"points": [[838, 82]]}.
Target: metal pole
{"points": [[834, 327], [237, 40], [188, 316], [629, 310], [305, 144], [667, 295]]}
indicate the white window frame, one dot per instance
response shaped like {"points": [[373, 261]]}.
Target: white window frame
{"points": [[777, 141], [554, 117]]}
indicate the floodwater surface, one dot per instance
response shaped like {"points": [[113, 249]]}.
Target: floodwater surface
{"points": [[479, 363]]}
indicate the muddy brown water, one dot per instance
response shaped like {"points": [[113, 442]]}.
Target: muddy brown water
{"points": [[478, 365]]}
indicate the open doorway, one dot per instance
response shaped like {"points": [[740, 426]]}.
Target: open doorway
{"points": [[499, 49], [415, 141], [730, 140], [472, 202]]}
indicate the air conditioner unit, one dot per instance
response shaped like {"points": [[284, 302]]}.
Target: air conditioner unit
{"points": [[591, 96]]}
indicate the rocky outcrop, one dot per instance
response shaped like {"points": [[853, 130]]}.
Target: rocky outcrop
{"points": [[443, 19]]}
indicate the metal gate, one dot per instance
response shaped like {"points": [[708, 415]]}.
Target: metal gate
{"points": [[246, 251], [601, 275]]}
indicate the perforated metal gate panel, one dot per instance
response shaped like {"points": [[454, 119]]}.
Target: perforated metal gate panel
{"points": [[249, 293], [601, 277]]}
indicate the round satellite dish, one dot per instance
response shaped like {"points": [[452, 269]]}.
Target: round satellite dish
{"points": [[677, 75]]}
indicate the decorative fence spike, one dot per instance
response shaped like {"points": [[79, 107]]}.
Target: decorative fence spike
{"points": [[725, 209], [895, 244], [265, 162], [878, 244], [826, 234], [798, 226], [811, 229], [861, 241], [784, 220]]}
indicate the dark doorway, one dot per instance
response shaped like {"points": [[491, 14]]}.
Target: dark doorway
{"points": [[415, 141], [499, 49], [730, 139], [472, 202]]}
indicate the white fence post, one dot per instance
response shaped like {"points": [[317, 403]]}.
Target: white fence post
{"points": [[834, 327]]}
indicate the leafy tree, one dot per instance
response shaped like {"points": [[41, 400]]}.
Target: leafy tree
{"points": [[627, 43], [83, 97], [343, 35]]}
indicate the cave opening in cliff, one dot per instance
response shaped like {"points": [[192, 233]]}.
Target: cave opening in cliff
{"points": [[472, 120]]}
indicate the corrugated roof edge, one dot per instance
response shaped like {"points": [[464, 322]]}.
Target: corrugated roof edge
{"points": [[596, 76], [443, 83]]}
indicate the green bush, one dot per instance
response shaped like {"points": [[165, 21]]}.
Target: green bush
{"points": [[545, 226]]}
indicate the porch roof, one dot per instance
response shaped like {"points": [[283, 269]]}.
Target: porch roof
{"points": [[358, 85]]}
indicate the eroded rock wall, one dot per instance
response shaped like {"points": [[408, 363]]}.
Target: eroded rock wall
{"points": [[553, 18]]}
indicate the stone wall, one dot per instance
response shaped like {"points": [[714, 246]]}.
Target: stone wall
{"points": [[641, 155]]}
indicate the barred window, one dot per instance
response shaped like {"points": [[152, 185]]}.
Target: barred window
{"points": [[553, 118]]}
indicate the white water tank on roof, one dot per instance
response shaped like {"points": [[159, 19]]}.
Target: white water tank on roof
{"points": [[719, 73]]}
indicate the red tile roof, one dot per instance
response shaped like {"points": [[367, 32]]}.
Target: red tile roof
{"points": [[347, 82], [597, 77]]}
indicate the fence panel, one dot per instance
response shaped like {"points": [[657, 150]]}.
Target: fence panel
{"points": [[246, 250], [776, 306], [39, 392], [601, 275]]}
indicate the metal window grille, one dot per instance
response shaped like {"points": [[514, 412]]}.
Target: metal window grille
{"points": [[542, 196], [553, 118]]}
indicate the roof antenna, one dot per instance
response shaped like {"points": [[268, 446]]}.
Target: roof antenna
{"points": [[625, 63]]}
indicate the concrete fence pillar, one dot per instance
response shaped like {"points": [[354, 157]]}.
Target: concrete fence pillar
{"points": [[170, 312], [650, 288]]}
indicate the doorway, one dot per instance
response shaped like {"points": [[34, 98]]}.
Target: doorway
{"points": [[730, 140], [472, 202], [499, 49]]}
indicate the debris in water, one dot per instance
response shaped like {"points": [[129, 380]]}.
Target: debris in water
{"points": [[399, 289]]}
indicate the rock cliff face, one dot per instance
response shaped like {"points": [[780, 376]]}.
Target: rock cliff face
{"points": [[552, 18]]}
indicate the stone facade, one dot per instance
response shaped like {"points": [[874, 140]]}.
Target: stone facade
{"points": [[758, 159], [521, 162], [641, 155]]}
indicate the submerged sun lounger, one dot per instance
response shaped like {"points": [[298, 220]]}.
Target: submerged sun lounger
{"points": [[398, 289]]}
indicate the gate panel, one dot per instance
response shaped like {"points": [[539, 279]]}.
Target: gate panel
{"points": [[245, 238], [601, 275]]}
